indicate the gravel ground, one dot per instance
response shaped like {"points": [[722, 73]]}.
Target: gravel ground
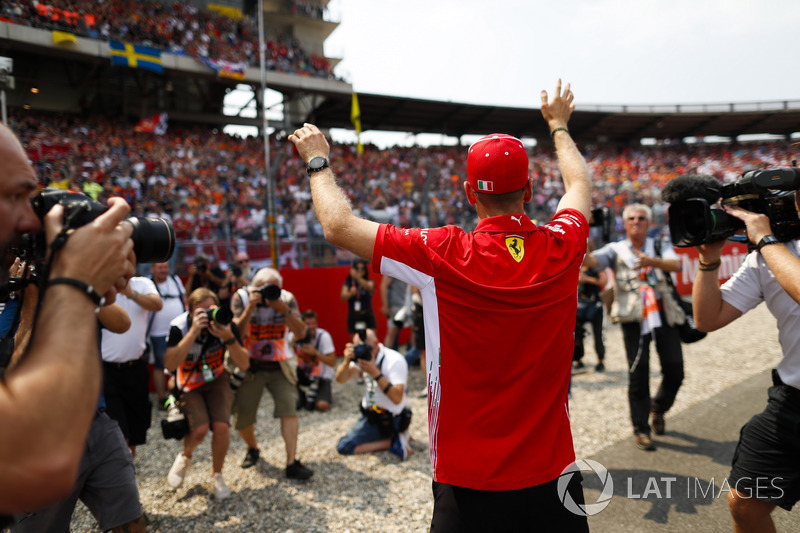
{"points": [[377, 492]]}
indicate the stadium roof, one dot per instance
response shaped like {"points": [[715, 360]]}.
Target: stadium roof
{"points": [[612, 124]]}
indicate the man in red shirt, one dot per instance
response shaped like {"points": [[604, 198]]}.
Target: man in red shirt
{"points": [[499, 310]]}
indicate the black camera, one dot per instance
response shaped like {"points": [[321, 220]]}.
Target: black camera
{"points": [[270, 292], [153, 238], [174, 426], [770, 192], [201, 266], [236, 270], [221, 315], [601, 217], [305, 340], [362, 350]]}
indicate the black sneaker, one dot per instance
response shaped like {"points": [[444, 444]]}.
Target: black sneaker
{"points": [[297, 471], [600, 367], [251, 458]]}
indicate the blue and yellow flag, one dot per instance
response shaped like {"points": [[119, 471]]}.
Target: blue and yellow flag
{"points": [[136, 56], [355, 118]]}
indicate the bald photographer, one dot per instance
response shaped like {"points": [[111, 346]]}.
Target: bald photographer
{"points": [[48, 399]]}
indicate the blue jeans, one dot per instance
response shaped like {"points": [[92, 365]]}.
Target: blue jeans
{"points": [[361, 433], [159, 346]]}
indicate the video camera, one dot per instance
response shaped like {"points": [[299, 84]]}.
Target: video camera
{"points": [[153, 238], [693, 222]]}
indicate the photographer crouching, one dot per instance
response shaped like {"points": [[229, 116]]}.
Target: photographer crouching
{"points": [[49, 399], [764, 473], [384, 420]]}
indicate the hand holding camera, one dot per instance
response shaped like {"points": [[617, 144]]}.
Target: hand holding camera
{"points": [[99, 253]]}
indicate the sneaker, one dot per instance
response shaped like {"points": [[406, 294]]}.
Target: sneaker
{"points": [[251, 458], [296, 470], [644, 442], [600, 367], [400, 445], [178, 470], [659, 427], [221, 490], [577, 365], [424, 394]]}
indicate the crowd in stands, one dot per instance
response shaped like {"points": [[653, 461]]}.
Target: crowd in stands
{"points": [[213, 186], [178, 27]]}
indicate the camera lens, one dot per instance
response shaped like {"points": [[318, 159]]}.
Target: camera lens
{"points": [[153, 239], [271, 292], [221, 315]]}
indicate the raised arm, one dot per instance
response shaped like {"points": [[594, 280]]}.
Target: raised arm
{"points": [[711, 312], [574, 171], [341, 227]]}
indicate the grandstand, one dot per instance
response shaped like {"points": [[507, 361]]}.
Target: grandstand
{"points": [[81, 104]]}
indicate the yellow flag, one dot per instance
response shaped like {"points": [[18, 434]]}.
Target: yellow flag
{"points": [[355, 118], [63, 37]]}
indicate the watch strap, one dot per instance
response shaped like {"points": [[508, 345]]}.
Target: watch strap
{"points": [[765, 241]]}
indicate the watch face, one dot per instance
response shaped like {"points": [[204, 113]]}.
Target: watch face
{"points": [[317, 163]]}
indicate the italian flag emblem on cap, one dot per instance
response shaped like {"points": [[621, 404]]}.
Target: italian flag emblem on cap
{"points": [[485, 185]]}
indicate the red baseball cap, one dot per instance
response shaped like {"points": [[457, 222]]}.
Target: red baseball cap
{"points": [[497, 164]]}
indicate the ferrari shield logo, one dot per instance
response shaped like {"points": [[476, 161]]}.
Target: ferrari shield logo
{"points": [[516, 247]]}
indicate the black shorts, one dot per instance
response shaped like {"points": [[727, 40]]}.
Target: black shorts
{"points": [[538, 508], [126, 388], [766, 463]]}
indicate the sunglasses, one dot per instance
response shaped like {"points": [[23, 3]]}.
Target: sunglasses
{"points": [[642, 219], [242, 261]]}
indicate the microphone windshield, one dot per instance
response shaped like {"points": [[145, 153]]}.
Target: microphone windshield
{"points": [[691, 186]]}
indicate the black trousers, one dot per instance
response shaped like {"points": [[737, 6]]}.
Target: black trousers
{"points": [[597, 333], [537, 509], [637, 350]]}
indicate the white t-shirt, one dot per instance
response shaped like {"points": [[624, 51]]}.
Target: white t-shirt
{"points": [[392, 365], [172, 296], [123, 347], [754, 283]]}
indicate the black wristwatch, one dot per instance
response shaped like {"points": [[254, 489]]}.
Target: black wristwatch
{"points": [[316, 164], [766, 240]]}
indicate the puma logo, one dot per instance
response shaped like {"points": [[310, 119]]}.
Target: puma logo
{"points": [[518, 219]]}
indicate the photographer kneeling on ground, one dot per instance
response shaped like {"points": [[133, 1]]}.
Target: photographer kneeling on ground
{"points": [[384, 420], [764, 472], [197, 342]]}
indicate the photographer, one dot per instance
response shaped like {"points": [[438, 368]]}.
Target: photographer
{"points": [[196, 348], [266, 313], [316, 359], [769, 443], [202, 274], [383, 423], [48, 401], [644, 306]]}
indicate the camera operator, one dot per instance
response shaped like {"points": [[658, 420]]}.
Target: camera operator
{"points": [[769, 443], [316, 359], [48, 401], [196, 348], [266, 313], [644, 306], [383, 423]]}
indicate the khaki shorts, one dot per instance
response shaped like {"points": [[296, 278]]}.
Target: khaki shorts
{"points": [[208, 403], [248, 396]]}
